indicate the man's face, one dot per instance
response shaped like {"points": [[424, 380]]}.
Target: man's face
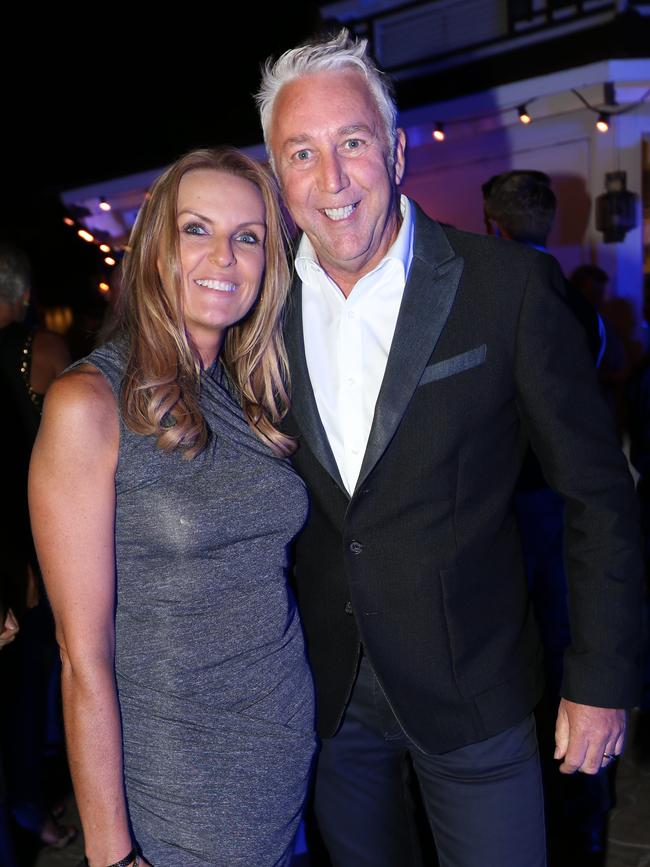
{"points": [[339, 183]]}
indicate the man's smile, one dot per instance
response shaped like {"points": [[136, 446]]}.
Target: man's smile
{"points": [[339, 213]]}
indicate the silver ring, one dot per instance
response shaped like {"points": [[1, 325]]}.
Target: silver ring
{"points": [[608, 756]]}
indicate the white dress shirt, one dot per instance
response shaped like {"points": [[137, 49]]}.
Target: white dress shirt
{"points": [[347, 342]]}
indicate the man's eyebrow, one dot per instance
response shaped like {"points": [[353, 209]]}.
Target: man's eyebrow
{"points": [[297, 139], [356, 127], [305, 138]]}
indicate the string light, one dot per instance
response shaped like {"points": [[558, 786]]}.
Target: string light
{"points": [[104, 287], [602, 124], [524, 116], [86, 235], [68, 221], [109, 260], [104, 248], [438, 132], [104, 205]]}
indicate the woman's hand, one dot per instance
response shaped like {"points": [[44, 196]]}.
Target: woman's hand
{"points": [[9, 629]]}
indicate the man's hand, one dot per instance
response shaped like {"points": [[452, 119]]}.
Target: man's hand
{"points": [[586, 737]]}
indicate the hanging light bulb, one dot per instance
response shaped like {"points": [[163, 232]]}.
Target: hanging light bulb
{"points": [[438, 132], [522, 111], [602, 124]]}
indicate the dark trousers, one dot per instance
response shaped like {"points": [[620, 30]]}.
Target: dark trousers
{"points": [[484, 801]]}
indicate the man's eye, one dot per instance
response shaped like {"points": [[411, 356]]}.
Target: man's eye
{"points": [[194, 229], [302, 155], [352, 144]]}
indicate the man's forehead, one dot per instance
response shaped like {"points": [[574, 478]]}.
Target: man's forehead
{"points": [[336, 101]]}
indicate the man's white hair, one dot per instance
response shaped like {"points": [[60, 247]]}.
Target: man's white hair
{"points": [[335, 53]]}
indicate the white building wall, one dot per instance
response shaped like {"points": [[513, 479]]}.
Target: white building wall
{"points": [[484, 137]]}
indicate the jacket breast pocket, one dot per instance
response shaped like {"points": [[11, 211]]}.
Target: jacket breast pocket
{"points": [[456, 364]]}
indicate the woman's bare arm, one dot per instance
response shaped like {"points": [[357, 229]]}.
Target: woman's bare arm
{"points": [[72, 505]]}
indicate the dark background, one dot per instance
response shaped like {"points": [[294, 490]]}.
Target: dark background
{"points": [[101, 94]]}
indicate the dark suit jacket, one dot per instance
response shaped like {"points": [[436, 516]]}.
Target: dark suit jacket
{"points": [[423, 563]]}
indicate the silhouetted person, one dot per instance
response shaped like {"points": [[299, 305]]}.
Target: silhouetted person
{"points": [[30, 359], [520, 206]]}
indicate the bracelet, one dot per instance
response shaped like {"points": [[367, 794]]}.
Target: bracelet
{"points": [[131, 857]]}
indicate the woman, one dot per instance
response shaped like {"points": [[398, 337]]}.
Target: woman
{"points": [[161, 528]]}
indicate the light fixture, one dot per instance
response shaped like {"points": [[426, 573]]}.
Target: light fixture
{"points": [[68, 221], [109, 260], [616, 208], [104, 248], [602, 124], [86, 235], [522, 111], [104, 205], [104, 287], [438, 132]]}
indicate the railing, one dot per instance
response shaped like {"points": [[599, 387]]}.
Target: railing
{"points": [[410, 36]]}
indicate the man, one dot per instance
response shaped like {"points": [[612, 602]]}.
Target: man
{"points": [[416, 387]]}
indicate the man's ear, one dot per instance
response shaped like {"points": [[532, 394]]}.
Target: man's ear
{"points": [[400, 155]]}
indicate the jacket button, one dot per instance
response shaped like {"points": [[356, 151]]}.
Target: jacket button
{"points": [[356, 547], [348, 608]]}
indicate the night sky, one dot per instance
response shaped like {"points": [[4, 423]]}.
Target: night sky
{"points": [[119, 96]]}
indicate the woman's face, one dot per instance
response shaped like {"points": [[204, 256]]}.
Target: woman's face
{"points": [[221, 222]]}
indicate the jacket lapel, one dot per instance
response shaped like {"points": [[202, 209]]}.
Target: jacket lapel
{"points": [[428, 298], [303, 402]]}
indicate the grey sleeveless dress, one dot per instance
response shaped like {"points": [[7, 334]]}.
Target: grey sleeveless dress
{"points": [[214, 690]]}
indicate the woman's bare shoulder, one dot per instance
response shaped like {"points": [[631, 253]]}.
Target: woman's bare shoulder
{"points": [[80, 404]]}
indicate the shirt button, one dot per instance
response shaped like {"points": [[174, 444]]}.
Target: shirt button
{"points": [[348, 608], [356, 547]]}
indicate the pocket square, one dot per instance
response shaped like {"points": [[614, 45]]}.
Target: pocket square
{"points": [[456, 364]]}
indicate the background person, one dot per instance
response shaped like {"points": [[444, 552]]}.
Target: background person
{"points": [[30, 359], [520, 206], [162, 507]]}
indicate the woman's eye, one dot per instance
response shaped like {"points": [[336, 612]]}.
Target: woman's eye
{"points": [[248, 238], [194, 229]]}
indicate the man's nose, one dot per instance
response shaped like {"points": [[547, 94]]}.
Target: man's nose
{"points": [[222, 252], [333, 177]]}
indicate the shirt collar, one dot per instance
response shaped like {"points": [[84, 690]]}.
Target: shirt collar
{"points": [[400, 251]]}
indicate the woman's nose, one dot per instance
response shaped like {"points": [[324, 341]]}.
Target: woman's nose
{"points": [[222, 253]]}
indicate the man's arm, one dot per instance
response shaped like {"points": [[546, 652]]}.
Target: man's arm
{"points": [[572, 434]]}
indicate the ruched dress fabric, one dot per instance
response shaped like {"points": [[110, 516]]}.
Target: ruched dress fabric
{"points": [[214, 689]]}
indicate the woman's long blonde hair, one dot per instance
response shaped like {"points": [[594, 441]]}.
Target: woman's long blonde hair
{"points": [[160, 393]]}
